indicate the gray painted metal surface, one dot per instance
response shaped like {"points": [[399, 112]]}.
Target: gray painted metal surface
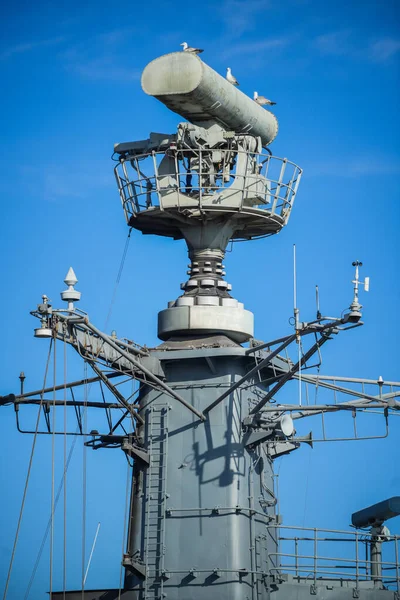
{"points": [[186, 85], [285, 591], [201, 507], [233, 321]]}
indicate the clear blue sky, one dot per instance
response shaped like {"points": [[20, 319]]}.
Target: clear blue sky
{"points": [[71, 88]]}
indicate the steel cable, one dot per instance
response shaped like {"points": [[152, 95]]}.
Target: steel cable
{"points": [[64, 478], [124, 538], [84, 490], [120, 270], [53, 449], [27, 477], [46, 533], [62, 485], [128, 507]]}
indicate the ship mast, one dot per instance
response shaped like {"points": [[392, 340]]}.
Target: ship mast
{"points": [[207, 418]]}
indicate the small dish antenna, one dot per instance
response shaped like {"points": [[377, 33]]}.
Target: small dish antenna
{"points": [[286, 425]]}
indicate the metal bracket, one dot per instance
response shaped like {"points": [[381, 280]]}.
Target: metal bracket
{"points": [[313, 589], [135, 452], [139, 568], [356, 593], [282, 448], [216, 572], [257, 437]]}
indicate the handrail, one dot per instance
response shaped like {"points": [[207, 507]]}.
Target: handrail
{"points": [[304, 561]]}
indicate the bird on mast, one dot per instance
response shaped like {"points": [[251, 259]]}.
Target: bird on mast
{"points": [[187, 48], [231, 78], [262, 100]]}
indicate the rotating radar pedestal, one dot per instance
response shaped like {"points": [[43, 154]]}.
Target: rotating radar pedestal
{"points": [[211, 182]]}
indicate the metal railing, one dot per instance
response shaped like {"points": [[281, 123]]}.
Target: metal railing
{"points": [[219, 179], [310, 554]]}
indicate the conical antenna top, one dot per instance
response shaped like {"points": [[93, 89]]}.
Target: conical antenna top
{"points": [[70, 278], [71, 295]]}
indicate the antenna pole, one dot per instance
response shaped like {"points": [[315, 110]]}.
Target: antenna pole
{"points": [[296, 316], [91, 553], [295, 309], [356, 280], [317, 301]]}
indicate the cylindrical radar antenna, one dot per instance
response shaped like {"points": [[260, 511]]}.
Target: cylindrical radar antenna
{"points": [[189, 87]]}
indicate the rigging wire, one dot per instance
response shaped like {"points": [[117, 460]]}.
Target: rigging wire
{"points": [[118, 279], [84, 490], [53, 449], [128, 504], [91, 553], [46, 533], [66, 460], [27, 476], [64, 477], [124, 538]]}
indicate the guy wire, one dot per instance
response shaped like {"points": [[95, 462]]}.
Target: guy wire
{"points": [[53, 448], [27, 476]]}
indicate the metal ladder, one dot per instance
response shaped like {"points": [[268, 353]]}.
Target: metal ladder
{"points": [[156, 482]]}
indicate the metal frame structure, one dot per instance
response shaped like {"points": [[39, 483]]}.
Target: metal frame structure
{"points": [[205, 422], [268, 185]]}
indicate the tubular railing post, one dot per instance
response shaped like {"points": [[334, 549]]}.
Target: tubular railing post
{"points": [[296, 551], [315, 557], [293, 196], [178, 178], [289, 191], [278, 187], [155, 167], [396, 550], [356, 538]]}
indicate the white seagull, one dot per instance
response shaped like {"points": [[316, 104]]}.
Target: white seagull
{"points": [[230, 77], [187, 48], [262, 100]]}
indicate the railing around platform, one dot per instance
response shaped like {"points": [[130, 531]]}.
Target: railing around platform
{"points": [[207, 180], [311, 554]]}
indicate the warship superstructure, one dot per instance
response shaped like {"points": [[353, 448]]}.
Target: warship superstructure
{"points": [[206, 422]]}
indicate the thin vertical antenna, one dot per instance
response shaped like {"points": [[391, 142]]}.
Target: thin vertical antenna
{"points": [[294, 284], [91, 553], [317, 301], [296, 317]]}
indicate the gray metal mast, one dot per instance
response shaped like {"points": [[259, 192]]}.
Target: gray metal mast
{"points": [[203, 523]]}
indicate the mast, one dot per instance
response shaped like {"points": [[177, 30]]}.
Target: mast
{"points": [[207, 419]]}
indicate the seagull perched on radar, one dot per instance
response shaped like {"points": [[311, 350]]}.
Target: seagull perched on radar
{"points": [[230, 77], [262, 100], [187, 48]]}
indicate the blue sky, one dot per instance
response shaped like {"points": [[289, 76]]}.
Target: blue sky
{"points": [[71, 89]]}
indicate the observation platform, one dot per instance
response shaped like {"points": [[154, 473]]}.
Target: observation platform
{"points": [[165, 191]]}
